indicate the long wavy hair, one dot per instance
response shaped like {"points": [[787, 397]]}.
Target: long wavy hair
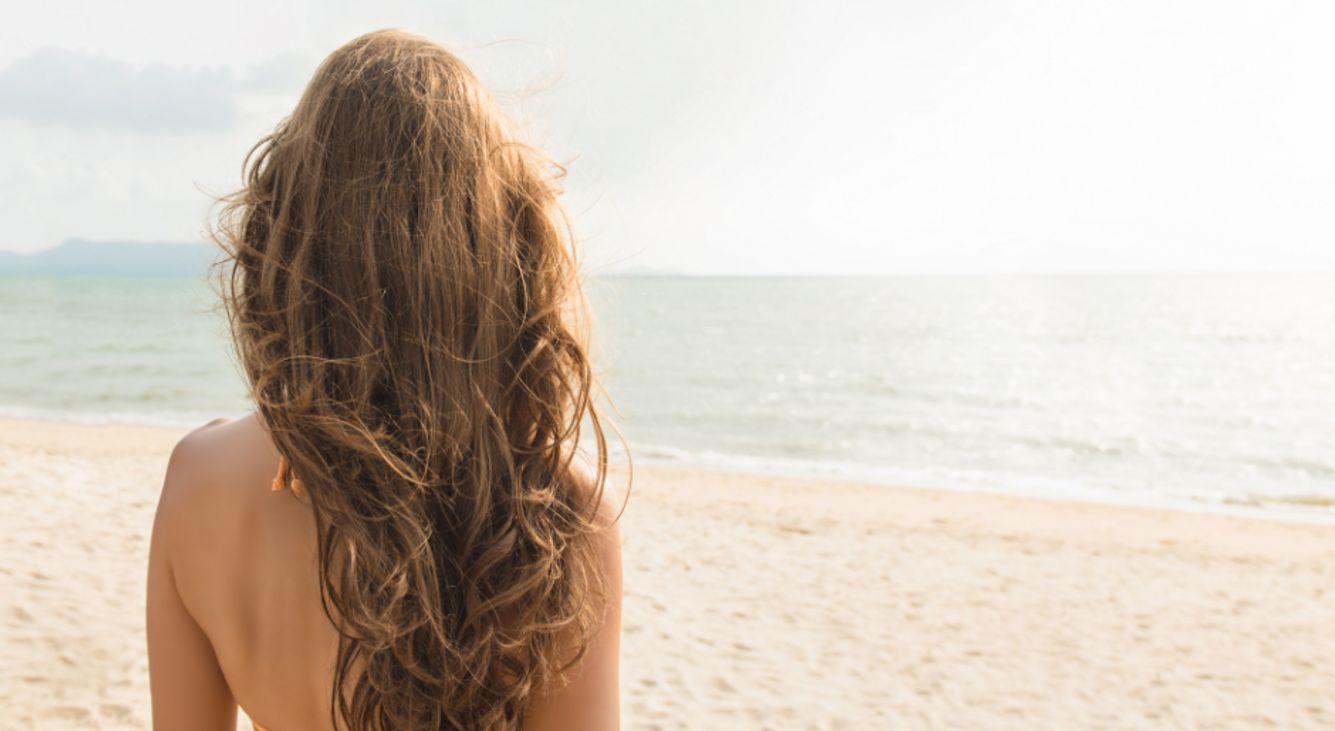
{"points": [[404, 299]]}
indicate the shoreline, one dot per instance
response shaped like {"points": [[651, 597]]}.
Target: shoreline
{"points": [[1292, 510], [1281, 511], [937, 505], [758, 600]]}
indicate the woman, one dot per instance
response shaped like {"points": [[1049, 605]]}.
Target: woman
{"points": [[402, 536]]}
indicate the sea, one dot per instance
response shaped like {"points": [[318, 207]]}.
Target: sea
{"points": [[1201, 392]]}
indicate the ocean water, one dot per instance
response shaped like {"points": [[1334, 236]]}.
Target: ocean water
{"points": [[1215, 392]]}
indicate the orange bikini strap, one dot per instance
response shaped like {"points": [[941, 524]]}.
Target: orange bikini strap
{"points": [[280, 480]]}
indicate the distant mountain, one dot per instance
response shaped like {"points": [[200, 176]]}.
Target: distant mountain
{"points": [[118, 258]]}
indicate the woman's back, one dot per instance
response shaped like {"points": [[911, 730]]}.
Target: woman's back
{"points": [[244, 561], [234, 573], [404, 302]]}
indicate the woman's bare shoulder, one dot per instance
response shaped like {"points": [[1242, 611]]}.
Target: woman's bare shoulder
{"points": [[208, 474], [610, 494]]}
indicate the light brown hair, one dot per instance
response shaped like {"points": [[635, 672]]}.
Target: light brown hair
{"points": [[404, 300]]}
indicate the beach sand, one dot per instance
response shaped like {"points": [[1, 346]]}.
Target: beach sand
{"points": [[758, 602]]}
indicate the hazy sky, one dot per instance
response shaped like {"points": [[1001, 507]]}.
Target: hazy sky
{"points": [[748, 137]]}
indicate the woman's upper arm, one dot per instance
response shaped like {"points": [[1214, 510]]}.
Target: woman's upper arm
{"points": [[187, 685], [591, 701]]}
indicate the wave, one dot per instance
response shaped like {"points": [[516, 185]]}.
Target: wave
{"points": [[1305, 507], [161, 418]]}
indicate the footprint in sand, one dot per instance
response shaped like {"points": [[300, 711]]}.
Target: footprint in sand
{"points": [[115, 711], [69, 713]]}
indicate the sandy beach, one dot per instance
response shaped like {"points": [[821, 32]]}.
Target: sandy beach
{"points": [[759, 602]]}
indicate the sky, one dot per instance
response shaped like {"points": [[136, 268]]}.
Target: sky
{"points": [[730, 137]]}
